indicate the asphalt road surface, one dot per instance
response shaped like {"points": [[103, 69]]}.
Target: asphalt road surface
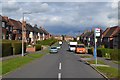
{"points": [[64, 64]]}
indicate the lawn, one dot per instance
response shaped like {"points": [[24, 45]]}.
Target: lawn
{"points": [[0, 68], [14, 63], [84, 56], [109, 71], [116, 62], [93, 62]]}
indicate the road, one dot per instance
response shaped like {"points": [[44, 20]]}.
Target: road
{"points": [[64, 64]]}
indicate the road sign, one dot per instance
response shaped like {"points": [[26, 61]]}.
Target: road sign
{"points": [[97, 32]]}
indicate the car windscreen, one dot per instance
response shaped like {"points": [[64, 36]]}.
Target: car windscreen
{"points": [[80, 46], [72, 45], [53, 48]]}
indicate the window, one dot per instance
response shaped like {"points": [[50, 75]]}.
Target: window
{"points": [[3, 24], [11, 29]]}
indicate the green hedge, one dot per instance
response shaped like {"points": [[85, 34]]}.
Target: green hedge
{"points": [[113, 54], [6, 49], [47, 42], [38, 47], [14, 47]]}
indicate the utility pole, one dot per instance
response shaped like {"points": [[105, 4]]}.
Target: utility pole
{"points": [[23, 36]]}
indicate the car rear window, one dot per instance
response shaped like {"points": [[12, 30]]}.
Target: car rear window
{"points": [[72, 45], [53, 48], [80, 46]]}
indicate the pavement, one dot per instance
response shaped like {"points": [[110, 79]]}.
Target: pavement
{"points": [[61, 65]]}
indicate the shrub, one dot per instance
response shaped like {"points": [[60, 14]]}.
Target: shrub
{"points": [[6, 49], [47, 41], [16, 47], [90, 50], [38, 47], [115, 54]]}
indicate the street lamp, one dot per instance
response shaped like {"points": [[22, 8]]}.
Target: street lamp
{"points": [[23, 25]]}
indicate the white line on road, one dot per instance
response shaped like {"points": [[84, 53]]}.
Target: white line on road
{"points": [[60, 66], [59, 76]]}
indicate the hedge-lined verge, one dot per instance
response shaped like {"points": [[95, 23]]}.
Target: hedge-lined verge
{"points": [[12, 47], [38, 47], [113, 54], [49, 42]]}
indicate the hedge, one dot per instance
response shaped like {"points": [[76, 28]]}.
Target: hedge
{"points": [[114, 54], [12, 47], [37, 47], [6, 49], [17, 47], [47, 41]]}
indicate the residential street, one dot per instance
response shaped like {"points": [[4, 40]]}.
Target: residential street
{"points": [[64, 64]]}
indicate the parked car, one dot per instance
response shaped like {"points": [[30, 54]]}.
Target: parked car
{"points": [[53, 49], [80, 48]]}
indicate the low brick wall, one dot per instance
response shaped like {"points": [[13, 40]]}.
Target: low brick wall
{"points": [[31, 49]]}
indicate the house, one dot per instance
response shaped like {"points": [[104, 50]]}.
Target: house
{"points": [[7, 28], [45, 34], [68, 38], [116, 40], [107, 36], [29, 33], [17, 29], [58, 37], [36, 33]]}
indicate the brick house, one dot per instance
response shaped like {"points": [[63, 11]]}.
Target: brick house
{"points": [[29, 33], [17, 29], [107, 36], [58, 37], [116, 40], [44, 34], [7, 28]]}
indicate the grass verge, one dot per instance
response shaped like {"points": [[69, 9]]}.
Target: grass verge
{"points": [[93, 62], [116, 62], [82, 56], [109, 71], [0, 68], [14, 63]]}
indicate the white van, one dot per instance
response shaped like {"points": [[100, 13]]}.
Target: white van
{"points": [[72, 46]]}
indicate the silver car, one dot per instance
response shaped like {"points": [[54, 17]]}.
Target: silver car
{"points": [[53, 49]]}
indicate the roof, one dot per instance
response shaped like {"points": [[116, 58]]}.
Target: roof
{"points": [[117, 33], [29, 27], [36, 29], [111, 31], [16, 24], [43, 30]]}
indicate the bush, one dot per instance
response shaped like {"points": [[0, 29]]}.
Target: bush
{"points": [[90, 50], [47, 41], [6, 49], [16, 47], [38, 47], [115, 54]]}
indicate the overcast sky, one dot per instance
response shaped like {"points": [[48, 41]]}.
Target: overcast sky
{"points": [[64, 17]]}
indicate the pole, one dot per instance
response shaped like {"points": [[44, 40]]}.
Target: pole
{"points": [[23, 36], [95, 48]]}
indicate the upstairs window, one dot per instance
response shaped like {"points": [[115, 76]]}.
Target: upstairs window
{"points": [[3, 24]]}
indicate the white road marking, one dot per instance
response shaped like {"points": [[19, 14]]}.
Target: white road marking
{"points": [[59, 76], [60, 66]]}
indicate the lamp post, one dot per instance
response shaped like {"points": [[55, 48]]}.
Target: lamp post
{"points": [[23, 30]]}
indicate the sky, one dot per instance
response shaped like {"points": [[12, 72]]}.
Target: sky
{"points": [[65, 17]]}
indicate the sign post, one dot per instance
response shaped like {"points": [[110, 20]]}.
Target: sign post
{"points": [[96, 34]]}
